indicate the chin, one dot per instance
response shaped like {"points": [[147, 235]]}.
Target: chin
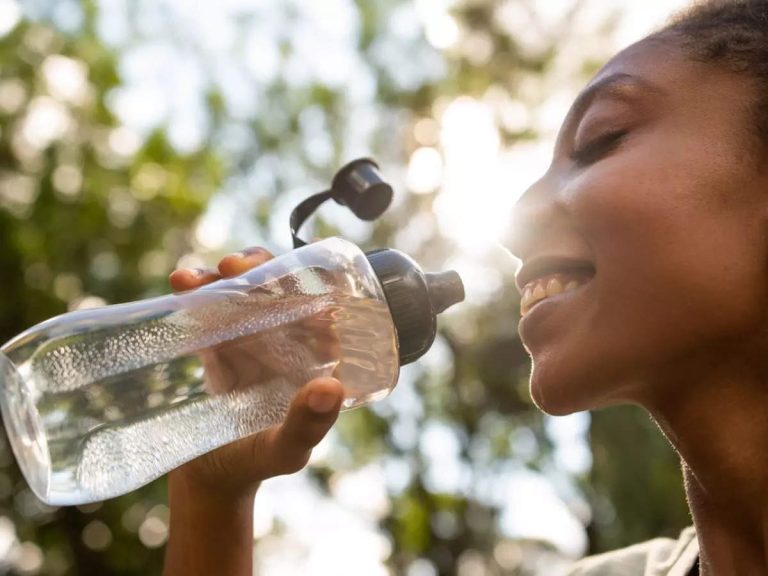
{"points": [[551, 404], [559, 394]]}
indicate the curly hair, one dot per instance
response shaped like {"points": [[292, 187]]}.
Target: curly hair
{"points": [[729, 33]]}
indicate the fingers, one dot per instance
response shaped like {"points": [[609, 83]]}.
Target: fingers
{"points": [[239, 468], [312, 413], [240, 262], [231, 265], [190, 278]]}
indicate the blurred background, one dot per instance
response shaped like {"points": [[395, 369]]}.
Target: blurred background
{"points": [[138, 136]]}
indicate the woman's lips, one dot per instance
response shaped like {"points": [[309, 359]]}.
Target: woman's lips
{"points": [[551, 286]]}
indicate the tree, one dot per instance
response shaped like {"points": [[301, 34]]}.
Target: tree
{"points": [[88, 215]]}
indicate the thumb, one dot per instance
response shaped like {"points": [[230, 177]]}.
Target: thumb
{"points": [[286, 448]]}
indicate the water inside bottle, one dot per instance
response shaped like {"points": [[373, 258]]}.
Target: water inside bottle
{"points": [[117, 401]]}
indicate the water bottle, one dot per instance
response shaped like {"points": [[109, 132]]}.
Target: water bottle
{"points": [[99, 402]]}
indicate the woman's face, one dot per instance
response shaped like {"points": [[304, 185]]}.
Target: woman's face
{"points": [[652, 218]]}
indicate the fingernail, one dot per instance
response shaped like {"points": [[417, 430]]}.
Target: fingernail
{"points": [[252, 251], [321, 402], [198, 272]]}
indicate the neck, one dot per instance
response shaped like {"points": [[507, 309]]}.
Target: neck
{"points": [[717, 419]]}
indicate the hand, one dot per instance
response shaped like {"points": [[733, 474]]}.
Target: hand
{"points": [[237, 469]]}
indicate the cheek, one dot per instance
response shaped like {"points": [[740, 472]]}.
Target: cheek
{"points": [[674, 225], [682, 245], [680, 266]]}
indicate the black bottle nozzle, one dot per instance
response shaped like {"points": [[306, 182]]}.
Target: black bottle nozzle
{"points": [[445, 289], [414, 298]]}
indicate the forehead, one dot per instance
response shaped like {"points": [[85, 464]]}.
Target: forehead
{"points": [[664, 63], [670, 82], [650, 56]]}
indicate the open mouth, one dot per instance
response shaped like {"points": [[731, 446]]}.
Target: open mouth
{"points": [[547, 278], [549, 287]]}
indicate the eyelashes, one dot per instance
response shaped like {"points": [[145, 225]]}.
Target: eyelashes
{"points": [[598, 147]]}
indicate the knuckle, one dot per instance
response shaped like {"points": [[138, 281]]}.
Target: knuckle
{"points": [[255, 253], [259, 450], [294, 462], [272, 457]]}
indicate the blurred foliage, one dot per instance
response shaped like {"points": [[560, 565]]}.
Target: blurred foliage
{"points": [[89, 214], [82, 222], [635, 480]]}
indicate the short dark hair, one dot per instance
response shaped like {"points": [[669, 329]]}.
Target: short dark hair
{"points": [[730, 33]]}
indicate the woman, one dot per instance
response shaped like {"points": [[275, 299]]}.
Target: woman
{"points": [[644, 281]]}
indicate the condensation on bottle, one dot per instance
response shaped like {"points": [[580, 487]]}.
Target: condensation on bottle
{"points": [[100, 402]]}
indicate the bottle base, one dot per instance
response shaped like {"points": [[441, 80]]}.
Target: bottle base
{"points": [[24, 429]]}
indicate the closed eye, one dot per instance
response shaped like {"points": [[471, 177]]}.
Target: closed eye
{"points": [[598, 147]]}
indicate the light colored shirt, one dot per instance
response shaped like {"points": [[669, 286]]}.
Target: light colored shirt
{"points": [[657, 557]]}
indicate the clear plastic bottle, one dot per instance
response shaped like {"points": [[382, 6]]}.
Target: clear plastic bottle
{"points": [[100, 402]]}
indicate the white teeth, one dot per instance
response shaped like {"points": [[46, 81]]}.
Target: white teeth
{"points": [[543, 288], [527, 292], [554, 287]]}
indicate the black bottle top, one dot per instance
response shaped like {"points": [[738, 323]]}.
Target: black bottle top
{"points": [[415, 298]]}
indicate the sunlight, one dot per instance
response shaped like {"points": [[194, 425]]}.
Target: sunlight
{"points": [[481, 180], [10, 14], [47, 120], [425, 170], [442, 31], [470, 194], [67, 79], [440, 28]]}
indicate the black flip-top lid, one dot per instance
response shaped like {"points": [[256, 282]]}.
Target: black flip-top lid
{"points": [[415, 299]]}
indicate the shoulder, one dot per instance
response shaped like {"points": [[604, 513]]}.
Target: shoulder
{"points": [[657, 557]]}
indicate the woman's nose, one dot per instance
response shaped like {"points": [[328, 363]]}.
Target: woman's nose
{"points": [[532, 216]]}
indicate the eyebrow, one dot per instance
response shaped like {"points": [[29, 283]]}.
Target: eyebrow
{"points": [[612, 85]]}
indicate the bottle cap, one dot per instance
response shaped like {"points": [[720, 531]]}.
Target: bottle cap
{"points": [[414, 299], [359, 186]]}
